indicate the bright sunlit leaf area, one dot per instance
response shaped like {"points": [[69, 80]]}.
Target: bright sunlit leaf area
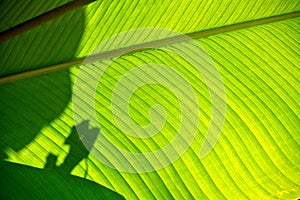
{"points": [[51, 148]]}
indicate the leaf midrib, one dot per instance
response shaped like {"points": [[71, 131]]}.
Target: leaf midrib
{"points": [[143, 46]]}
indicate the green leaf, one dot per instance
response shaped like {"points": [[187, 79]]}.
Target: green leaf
{"points": [[23, 182], [257, 154]]}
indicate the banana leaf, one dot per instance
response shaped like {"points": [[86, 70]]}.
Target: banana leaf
{"points": [[253, 46]]}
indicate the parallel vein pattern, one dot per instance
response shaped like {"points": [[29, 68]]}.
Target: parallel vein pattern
{"points": [[257, 155], [82, 30]]}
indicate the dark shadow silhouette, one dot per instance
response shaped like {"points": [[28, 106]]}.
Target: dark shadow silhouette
{"points": [[51, 161], [24, 182], [28, 105], [78, 151]]}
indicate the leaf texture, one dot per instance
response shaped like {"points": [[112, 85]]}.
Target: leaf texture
{"points": [[82, 30], [257, 155]]}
